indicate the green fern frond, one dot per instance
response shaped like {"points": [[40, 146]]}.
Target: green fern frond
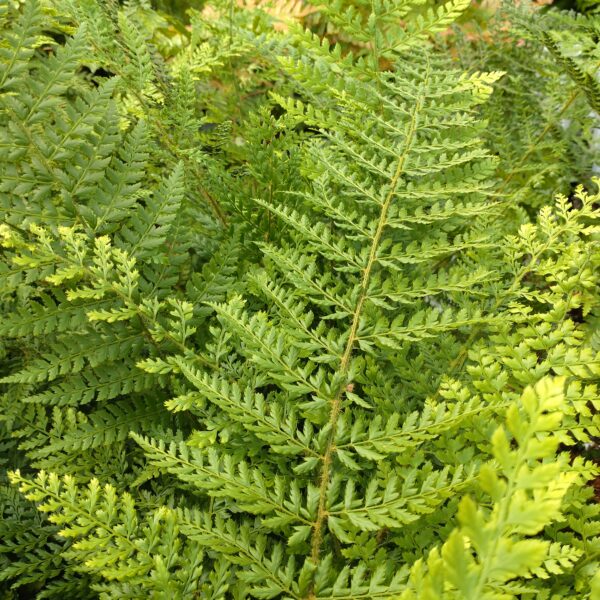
{"points": [[494, 546], [140, 548]]}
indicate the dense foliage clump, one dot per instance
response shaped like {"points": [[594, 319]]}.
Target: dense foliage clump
{"points": [[299, 300]]}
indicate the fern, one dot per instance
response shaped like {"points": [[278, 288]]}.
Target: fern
{"points": [[287, 308], [527, 493], [551, 148], [82, 203], [141, 555]]}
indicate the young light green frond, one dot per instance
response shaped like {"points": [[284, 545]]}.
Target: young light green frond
{"points": [[494, 545], [128, 548]]}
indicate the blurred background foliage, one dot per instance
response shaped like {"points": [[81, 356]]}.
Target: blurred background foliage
{"points": [[480, 10]]}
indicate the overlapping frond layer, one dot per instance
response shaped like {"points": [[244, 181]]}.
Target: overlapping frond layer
{"points": [[99, 238], [280, 313], [347, 298]]}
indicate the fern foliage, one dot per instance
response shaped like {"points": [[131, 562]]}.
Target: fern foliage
{"points": [[298, 301]]}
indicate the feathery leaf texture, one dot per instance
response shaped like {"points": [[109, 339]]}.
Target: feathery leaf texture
{"points": [[288, 311]]}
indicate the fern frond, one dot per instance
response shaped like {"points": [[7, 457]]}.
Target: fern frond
{"points": [[148, 228], [20, 45], [224, 476], [493, 546], [140, 548]]}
